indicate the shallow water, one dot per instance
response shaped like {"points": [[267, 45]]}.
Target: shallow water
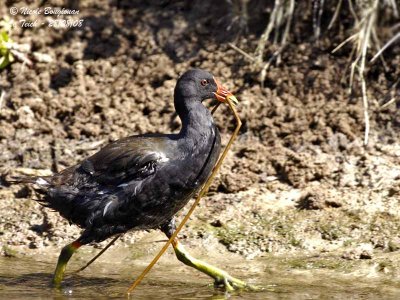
{"points": [[25, 278]]}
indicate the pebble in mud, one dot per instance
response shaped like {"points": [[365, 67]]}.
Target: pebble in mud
{"points": [[363, 251]]}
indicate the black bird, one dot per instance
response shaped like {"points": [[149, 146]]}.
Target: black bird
{"points": [[142, 181]]}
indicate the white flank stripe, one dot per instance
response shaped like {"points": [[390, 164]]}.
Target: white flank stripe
{"points": [[162, 157], [41, 181], [105, 208]]}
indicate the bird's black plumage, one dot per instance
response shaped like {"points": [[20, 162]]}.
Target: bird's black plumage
{"points": [[141, 182]]}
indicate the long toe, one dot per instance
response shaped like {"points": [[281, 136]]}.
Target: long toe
{"points": [[221, 278], [230, 284]]}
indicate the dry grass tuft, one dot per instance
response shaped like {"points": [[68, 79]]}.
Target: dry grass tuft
{"points": [[365, 13], [281, 17]]}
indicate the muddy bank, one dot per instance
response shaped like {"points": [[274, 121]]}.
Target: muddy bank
{"points": [[299, 180]]}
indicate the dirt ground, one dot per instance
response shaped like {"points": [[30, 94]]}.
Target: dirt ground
{"points": [[298, 181]]}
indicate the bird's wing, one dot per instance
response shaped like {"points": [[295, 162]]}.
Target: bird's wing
{"points": [[125, 160], [132, 158]]}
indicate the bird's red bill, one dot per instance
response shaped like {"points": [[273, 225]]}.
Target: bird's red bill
{"points": [[222, 93]]}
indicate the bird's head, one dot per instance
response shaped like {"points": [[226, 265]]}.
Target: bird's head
{"points": [[201, 85]]}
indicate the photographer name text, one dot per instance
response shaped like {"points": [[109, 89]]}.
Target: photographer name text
{"points": [[57, 17]]}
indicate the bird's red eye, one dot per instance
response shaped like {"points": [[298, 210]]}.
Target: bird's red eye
{"points": [[204, 82]]}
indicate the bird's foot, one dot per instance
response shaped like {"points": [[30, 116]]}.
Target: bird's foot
{"points": [[231, 284], [221, 278]]}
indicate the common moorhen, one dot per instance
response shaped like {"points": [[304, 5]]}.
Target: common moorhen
{"points": [[142, 181]]}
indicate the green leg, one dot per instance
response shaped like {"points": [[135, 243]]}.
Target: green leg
{"points": [[65, 255], [220, 277]]}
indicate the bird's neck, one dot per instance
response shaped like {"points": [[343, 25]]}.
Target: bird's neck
{"points": [[197, 122]]}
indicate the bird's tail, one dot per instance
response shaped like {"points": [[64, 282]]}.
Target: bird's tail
{"points": [[39, 184], [22, 179], [30, 176]]}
